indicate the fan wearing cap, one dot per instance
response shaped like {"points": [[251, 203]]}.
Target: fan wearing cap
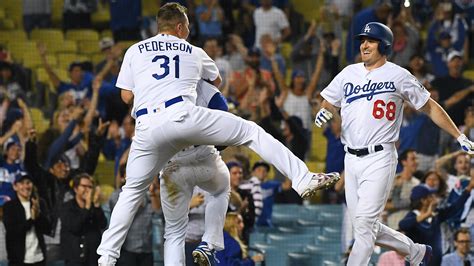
{"points": [[80, 79], [26, 220], [423, 223], [453, 83], [10, 167]]}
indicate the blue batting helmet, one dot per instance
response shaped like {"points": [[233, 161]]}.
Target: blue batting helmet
{"points": [[378, 31]]}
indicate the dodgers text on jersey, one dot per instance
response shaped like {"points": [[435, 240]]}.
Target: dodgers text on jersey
{"points": [[368, 90]]}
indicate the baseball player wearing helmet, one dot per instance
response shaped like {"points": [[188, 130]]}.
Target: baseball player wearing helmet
{"points": [[159, 76], [370, 96], [199, 166]]}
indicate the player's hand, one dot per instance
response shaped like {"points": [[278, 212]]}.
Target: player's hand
{"points": [[322, 117], [466, 144]]}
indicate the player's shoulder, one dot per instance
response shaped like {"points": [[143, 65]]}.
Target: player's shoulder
{"points": [[397, 70]]}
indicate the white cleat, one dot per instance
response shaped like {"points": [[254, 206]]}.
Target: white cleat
{"points": [[319, 181]]}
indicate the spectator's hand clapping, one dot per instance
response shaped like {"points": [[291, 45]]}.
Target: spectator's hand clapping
{"points": [[35, 209], [96, 197]]}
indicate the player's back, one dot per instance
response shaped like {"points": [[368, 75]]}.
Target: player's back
{"points": [[163, 67]]}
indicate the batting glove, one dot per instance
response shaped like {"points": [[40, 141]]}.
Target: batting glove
{"points": [[322, 117], [466, 144]]}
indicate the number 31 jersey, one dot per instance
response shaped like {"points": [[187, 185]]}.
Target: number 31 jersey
{"points": [[371, 102], [163, 67]]}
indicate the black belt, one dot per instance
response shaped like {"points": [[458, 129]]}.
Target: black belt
{"points": [[168, 103], [364, 151]]}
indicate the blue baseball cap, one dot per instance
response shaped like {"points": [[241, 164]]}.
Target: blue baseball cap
{"points": [[297, 73], [420, 191], [233, 164]]}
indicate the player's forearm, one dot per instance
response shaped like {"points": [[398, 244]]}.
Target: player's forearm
{"points": [[441, 118], [331, 108]]}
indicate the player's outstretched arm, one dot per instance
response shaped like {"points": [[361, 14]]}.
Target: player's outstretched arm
{"points": [[325, 113], [442, 119]]}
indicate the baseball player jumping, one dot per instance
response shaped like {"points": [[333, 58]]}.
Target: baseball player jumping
{"points": [[159, 76], [370, 96], [195, 166]]}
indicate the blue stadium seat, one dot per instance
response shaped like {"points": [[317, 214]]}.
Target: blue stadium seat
{"points": [[299, 258]]}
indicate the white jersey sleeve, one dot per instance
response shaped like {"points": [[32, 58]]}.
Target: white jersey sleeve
{"points": [[209, 67], [414, 92], [125, 77], [333, 92]]}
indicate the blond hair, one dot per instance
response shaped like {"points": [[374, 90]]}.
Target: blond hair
{"points": [[169, 16], [231, 226]]}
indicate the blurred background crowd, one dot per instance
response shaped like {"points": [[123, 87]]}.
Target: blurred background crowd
{"points": [[65, 132]]}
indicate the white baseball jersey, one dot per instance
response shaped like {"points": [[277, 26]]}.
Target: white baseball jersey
{"points": [[163, 67], [371, 102]]}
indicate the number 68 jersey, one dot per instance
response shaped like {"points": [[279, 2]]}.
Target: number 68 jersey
{"points": [[163, 67], [371, 102]]}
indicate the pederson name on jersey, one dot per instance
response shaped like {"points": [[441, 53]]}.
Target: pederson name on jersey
{"points": [[368, 90], [164, 46]]}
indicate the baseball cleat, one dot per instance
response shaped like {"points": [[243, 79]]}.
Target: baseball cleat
{"points": [[204, 256], [320, 181]]}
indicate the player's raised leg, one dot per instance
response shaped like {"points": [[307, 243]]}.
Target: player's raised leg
{"points": [[204, 126]]}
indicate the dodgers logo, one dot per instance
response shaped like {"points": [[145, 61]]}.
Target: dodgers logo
{"points": [[367, 28], [368, 90]]}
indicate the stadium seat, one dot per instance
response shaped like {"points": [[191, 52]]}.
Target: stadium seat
{"points": [[13, 11], [57, 12], [65, 59], [106, 33], [97, 58], [40, 123], [47, 35], [285, 51], [13, 35], [469, 74], [82, 35], [126, 44], [18, 48], [66, 46], [257, 237], [88, 47], [32, 59], [105, 173], [101, 17], [7, 24], [299, 258]]}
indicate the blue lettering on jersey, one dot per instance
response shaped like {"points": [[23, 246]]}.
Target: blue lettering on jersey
{"points": [[368, 90], [164, 46]]}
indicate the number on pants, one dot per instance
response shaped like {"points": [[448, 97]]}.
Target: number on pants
{"points": [[379, 112], [166, 66]]}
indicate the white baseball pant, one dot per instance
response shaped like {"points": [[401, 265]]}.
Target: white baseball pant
{"points": [[368, 181], [203, 167], [161, 134]]}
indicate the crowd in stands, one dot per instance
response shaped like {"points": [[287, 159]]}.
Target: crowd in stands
{"points": [[274, 62]]}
